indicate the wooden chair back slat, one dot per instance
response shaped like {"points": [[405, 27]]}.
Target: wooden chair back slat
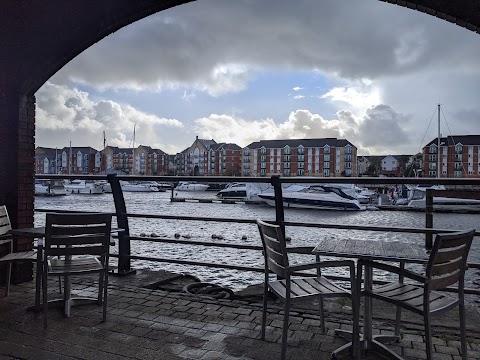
{"points": [[77, 240], [449, 254], [446, 268], [87, 219], [441, 282], [77, 230], [78, 250]]}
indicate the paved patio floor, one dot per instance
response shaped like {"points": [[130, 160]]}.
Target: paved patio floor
{"points": [[154, 324]]}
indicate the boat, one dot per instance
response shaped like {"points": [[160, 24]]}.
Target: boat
{"points": [[190, 186], [49, 188], [243, 191], [83, 187], [134, 186], [417, 196], [322, 197]]}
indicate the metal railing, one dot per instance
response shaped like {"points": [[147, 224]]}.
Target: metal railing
{"points": [[124, 244]]}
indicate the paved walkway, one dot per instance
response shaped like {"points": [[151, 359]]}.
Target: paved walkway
{"points": [[154, 324]]}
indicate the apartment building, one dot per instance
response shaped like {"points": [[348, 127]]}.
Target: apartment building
{"points": [[459, 157], [328, 157], [142, 160], [207, 157], [69, 160]]}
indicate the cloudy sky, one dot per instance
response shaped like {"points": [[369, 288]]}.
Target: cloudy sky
{"points": [[245, 70]]}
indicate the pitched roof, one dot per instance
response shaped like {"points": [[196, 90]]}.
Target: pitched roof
{"points": [[275, 144], [452, 140]]}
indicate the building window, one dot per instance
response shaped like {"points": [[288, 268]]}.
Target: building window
{"points": [[326, 165], [263, 158], [432, 173], [286, 150], [348, 165], [458, 148], [457, 174], [326, 149], [263, 151], [301, 158], [301, 165], [286, 158], [458, 157], [301, 150], [432, 158], [286, 165], [286, 172], [263, 172], [300, 172], [348, 157], [326, 172], [263, 165], [326, 158]]}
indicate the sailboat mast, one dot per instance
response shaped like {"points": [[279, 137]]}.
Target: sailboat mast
{"points": [[439, 161], [133, 151]]}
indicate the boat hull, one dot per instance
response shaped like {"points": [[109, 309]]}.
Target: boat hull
{"points": [[320, 204]]}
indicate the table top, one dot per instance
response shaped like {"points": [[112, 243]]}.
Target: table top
{"points": [[372, 250]]}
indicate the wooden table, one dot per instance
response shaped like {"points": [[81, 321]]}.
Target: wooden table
{"points": [[393, 251], [67, 301]]}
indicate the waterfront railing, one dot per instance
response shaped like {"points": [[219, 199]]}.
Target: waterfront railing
{"points": [[125, 256]]}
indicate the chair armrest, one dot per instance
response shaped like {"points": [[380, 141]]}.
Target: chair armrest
{"points": [[321, 264], [394, 269]]}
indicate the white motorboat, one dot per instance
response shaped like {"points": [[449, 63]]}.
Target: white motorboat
{"points": [[321, 197], [190, 186], [417, 197], [147, 186], [244, 191], [49, 188], [83, 187]]}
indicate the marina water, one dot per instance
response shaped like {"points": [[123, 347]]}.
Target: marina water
{"points": [[159, 203]]}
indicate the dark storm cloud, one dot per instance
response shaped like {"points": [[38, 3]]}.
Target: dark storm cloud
{"points": [[193, 44]]}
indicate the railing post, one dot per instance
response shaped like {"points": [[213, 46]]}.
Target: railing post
{"points": [[280, 216], [122, 222], [428, 218]]}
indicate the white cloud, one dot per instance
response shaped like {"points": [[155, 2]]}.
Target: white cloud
{"points": [[65, 114], [297, 88], [296, 97]]}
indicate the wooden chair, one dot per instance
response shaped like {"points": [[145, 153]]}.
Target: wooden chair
{"points": [[446, 266], [6, 238], [69, 238], [292, 287]]}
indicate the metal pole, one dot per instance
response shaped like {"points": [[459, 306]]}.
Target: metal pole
{"points": [[428, 218], [277, 187], [438, 145], [122, 222]]}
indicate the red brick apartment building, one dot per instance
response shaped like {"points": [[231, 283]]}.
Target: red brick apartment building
{"points": [[459, 157]]}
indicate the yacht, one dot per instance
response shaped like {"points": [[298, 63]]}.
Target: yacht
{"points": [[245, 191], [49, 188], [417, 197], [83, 187], [321, 197], [147, 186], [190, 186]]}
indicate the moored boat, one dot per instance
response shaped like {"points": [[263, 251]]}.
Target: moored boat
{"points": [[83, 187], [190, 186], [320, 197], [49, 188]]}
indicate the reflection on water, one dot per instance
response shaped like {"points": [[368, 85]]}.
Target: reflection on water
{"points": [[159, 203]]}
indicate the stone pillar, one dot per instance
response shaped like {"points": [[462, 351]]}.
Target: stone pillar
{"points": [[17, 154]]}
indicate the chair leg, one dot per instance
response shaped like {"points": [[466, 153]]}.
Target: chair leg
{"points": [[44, 296], [322, 316], [285, 328], [463, 329], [100, 287], [105, 288], [428, 335], [7, 281], [264, 312]]}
